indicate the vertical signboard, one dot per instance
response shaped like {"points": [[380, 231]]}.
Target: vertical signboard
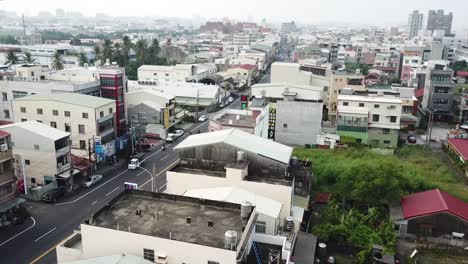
{"points": [[272, 122], [166, 118]]}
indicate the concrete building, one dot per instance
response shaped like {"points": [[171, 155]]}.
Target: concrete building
{"points": [[176, 73], [289, 73], [166, 229], [415, 22], [7, 168], [288, 27], [249, 164], [152, 109], [253, 121], [295, 112], [439, 89], [372, 120], [437, 20], [339, 80], [85, 117], [41, 160]]}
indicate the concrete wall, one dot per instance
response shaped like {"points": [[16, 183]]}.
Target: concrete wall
{"points": [[376, 138], [356, 135], [298, 123], [98, 242], [289, 73]]}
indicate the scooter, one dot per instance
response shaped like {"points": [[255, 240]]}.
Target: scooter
{"points": [[163, 147]]}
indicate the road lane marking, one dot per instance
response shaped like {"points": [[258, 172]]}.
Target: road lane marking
{"points": [[13, 237], [41, 237], [164, 157], [157, 175], [94, 203], [50, 249], [112, 191]]}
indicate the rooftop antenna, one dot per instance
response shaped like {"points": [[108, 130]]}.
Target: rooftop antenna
{"points": [[24, 29]]}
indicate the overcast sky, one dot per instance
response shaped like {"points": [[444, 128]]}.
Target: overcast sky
{"points": [[379, 12]]}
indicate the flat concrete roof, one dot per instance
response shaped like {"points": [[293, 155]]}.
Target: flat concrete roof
{"points": [[244, 120], [165, 216]]}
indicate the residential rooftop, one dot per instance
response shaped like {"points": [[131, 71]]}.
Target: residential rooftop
{"points": [[236, 120], [39, 129], [69, 98], [166, 216]]}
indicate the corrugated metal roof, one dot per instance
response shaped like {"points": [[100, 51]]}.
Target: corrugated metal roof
{"points": [[69, 98], [461, 145], [433, 202], [263, 204], [39, 129], [242, 140]]}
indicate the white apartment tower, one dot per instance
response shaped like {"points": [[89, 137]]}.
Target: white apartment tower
{"points": [[415, 22]]}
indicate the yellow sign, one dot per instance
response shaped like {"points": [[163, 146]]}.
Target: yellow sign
{"points": [[167, 120]]}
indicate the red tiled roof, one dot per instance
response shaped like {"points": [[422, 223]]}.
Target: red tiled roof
{"points": [[433, 202], [461, 145], [462, 73], [248, 67], [419, 93], [322, 197], [3, 133]]}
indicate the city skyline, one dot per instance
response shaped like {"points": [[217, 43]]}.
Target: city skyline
{"points": [[327, 12]]}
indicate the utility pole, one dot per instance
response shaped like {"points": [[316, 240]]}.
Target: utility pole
{"points": [[89, 149], [24, 30], [198, 95], [431, 121], [71, 163]]}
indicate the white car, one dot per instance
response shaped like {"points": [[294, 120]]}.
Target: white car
{"points": [[230, 99], [92, 180], [171, 137], [203, 118]]}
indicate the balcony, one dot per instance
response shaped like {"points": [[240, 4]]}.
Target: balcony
{"points": [[6, 155]]}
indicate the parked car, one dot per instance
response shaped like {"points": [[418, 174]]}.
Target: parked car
{"points": [[203, 118], [92, 180], [230, 99], [53, 195], [411, 139]]}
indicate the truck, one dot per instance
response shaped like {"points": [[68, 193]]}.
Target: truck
{"points": [[136, 161]]}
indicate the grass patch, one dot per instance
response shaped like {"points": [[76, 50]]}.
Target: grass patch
{"points": [[419, 169]]}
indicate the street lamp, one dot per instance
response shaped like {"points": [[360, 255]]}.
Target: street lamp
{"points": [[431, 121]]}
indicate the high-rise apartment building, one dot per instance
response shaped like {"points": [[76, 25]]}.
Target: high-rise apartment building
{"points": [[415, 22], [437, 20]]}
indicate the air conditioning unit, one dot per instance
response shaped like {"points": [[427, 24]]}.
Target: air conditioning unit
{"points": [[3, 147]]}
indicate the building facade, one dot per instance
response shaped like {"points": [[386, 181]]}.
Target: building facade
{"points": [[437, 20], [415, 22]]}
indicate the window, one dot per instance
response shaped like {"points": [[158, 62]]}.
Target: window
{"points": [[167, 74], [23, 109], [23, 120], [386, 141], [53, 124], [18, 94], [407, 109], [36, 147], [260, 227], [375, 118], [81, 129], [440, 101], [6, 114], [285, 125], [212, 262], [392, 107], [82, 144], [55, 112], [361, 104], [386, 131], [39, 111], [155, 74], [110, 110], [39, 121], [393, 119], [101, 114], [27, 162], [345, 103], [66, 113], [67, 127], [5, 96], [376, 106], [84, 115], [148, 254]]}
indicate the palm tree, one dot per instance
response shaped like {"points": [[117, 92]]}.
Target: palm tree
{"points": [[11, 58], [107, 50], [83, 59], [127, 46], [118, 56], [154, 50], [141, 49], [28, 58], [57, 61], [97, 53]]}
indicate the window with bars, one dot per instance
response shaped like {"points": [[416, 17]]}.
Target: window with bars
{"points": [[148, 254]]}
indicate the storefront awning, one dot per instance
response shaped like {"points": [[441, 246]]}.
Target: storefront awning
{"points": [[10, 204], [66, 174], [81, 164]]}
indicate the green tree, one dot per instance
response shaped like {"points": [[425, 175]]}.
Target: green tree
{"points": [[141, 49], [118, 55], [460, 66], [57, 62], [126, 47], [11, 58], [83, 59], [354, 66], [9, 39], [153, 51], [107, 50], [131, 70], [97, 53], [28, 58]]}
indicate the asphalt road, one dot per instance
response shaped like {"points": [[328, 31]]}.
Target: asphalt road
{"points": [[35, 240]]}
